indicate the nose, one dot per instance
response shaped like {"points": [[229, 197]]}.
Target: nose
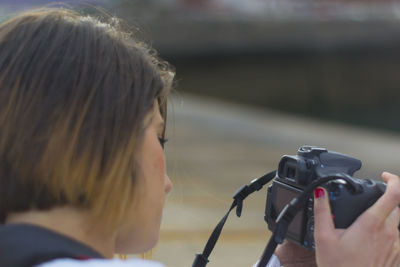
{"points": [[168, 184]]}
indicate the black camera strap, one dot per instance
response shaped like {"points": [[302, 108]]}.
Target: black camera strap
{"points": [[283, 221], [201, 260]]}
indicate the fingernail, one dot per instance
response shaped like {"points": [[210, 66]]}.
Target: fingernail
{"points": [[319, 192]]}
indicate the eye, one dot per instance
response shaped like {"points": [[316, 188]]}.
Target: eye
{"points": [[162, 141]]}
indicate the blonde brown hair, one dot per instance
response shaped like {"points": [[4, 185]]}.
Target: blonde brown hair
{"points": [[74, 92]]}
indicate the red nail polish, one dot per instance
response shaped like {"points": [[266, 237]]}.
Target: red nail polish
{"points": [[319, 192]]}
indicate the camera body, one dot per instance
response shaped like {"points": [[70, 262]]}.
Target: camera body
{"points": [[295, 173]]}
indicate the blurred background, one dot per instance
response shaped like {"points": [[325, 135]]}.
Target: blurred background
{"points": [[256, 79]]}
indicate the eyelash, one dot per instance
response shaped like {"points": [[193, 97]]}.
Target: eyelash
{"points": [[162, 141]]}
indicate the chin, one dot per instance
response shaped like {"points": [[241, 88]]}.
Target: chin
{"points": [[131, 245]]}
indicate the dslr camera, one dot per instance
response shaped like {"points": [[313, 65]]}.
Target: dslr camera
{"points": [[295, 173]]}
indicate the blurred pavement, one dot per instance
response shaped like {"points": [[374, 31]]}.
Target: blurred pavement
{"points": [[216, 147]]}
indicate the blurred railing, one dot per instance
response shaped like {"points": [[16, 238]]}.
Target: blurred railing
{"points": [[335, 60]]}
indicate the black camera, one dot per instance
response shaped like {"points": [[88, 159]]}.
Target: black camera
{"points": [[295, 173]]}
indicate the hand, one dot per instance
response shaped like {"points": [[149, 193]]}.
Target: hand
{"points": [[292, 255], [371, 241]]}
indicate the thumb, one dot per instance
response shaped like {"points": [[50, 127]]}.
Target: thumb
{"points": [[324, 228]]}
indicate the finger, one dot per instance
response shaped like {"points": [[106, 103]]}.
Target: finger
{"points": [[324, 229], [393, 256], [387, 175], [397, 260], [392, 221], [340, 232], [389, 200], [388, 240]]}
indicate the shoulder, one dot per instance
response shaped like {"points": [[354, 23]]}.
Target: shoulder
{"points": [[101, 263]]}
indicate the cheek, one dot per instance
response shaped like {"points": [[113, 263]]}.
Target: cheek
{"points": [[158, 160]]}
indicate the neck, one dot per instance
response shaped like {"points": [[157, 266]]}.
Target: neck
{"points": [[71, 222]]}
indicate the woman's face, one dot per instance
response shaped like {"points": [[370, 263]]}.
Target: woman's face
{"points": [[142, 231]]}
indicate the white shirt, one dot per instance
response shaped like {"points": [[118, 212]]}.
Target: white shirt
{"points": [[101, 263], [273, 262]]}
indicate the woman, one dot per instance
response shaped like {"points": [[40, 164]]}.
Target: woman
{"points": [[82, 123], [82, 173]]}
